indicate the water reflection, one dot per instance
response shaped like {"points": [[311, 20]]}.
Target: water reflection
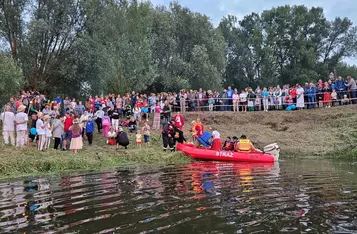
{"points": [[301, 196]]}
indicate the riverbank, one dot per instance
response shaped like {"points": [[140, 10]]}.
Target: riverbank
{"points": [[328, 133]]}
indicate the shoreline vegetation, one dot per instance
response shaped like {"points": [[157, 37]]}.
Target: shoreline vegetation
{"points": [[326, 133]]}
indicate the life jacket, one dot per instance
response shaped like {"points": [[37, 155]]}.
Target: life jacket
{"points": [[244, 145], [194, 133], [228, 146]]}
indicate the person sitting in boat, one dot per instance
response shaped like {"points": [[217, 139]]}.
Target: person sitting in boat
{"points": [[228, 144], [244, 145], [216, 140], [235, 141]]}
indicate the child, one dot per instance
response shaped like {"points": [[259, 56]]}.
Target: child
{"points": [[138, 137], [334, 97], [89, 130], [257, 103], [48, 132], [112, 137], [210, 103], [146, 133], [105, 124], [346, 101], [76, 134]]}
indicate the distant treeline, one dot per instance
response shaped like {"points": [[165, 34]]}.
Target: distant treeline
{"points": [[76, 47]]}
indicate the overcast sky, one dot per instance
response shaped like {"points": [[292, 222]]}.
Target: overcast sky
{"points": [[216, 9]]}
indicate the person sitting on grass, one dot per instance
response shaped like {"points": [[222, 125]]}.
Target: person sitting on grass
{"points": [[122, 138], [132, 125], [112, 137]]}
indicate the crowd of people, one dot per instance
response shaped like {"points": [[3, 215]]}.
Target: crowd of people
{"points": [[69, 121]]}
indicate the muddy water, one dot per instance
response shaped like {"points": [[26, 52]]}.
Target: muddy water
{"points": [[293, 196]]}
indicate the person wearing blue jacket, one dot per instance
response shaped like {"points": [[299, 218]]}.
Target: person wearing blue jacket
{"points": [[311, 95], [341, 89], [90, 130]]}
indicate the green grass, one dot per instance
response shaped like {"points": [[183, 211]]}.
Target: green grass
{"points": [[320, 133], [29, 161]]}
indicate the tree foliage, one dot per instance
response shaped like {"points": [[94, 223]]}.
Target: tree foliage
{"points": [[10, 78], [75, 47]]}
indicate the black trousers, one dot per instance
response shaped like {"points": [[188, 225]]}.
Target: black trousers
{"points": [[99, 124], [57, 143], [167, 141], [89, 137]]}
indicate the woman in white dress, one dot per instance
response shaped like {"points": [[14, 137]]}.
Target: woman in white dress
{"points": [[300, 103]]}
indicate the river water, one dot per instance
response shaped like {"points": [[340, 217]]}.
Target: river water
{"points": [[293, 196]]}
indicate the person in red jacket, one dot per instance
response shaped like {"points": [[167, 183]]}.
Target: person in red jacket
{"points": [[199, 128], [179, 120], [68, 122]]}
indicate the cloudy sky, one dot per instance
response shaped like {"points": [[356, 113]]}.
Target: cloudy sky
{"points": [[216, 9]]}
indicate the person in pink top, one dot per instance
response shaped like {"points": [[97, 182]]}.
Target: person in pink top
{"points": [[106, 124], [156, 123]]}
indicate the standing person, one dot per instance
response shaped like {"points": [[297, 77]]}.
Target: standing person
{"points": [[183, 97], [265, 95], [41, 131], [138, 138], [21, 120], [327, 95], [146, 133], [243, 100], [76, 136], [229, 93], [80, 108], [352, 88], [167, 135], [68, 122], [115, 119], [166, 111], [8, 127], [300, 101], [58, 131], [106, 124], [235, 98], [48, 132], [90, 130], [157, 117], [83, 119], [33, 137], [179, 120], [99, 116], [340, 88], [12, 105]]}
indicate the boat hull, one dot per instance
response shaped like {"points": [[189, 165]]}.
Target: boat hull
{"points": [[218, 155]]}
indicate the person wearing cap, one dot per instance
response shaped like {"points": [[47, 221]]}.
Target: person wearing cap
{"points": [[21, 120], [8, 127], [122, 138]]}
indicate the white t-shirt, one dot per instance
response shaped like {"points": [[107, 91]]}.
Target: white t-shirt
{"points": [[39, 129], [216, 134], [21, 117], [8, 119]]}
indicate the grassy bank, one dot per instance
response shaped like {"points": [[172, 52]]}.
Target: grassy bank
{"points": [[319, 133]]}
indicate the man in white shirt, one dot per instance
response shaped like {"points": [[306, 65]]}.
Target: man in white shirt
{"points": [[21, 120], [8, 129]]}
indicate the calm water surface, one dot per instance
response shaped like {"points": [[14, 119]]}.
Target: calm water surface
{"points": [[294, 196]]}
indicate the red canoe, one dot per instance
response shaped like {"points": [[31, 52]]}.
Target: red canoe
{"points": [[216, 155]]}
